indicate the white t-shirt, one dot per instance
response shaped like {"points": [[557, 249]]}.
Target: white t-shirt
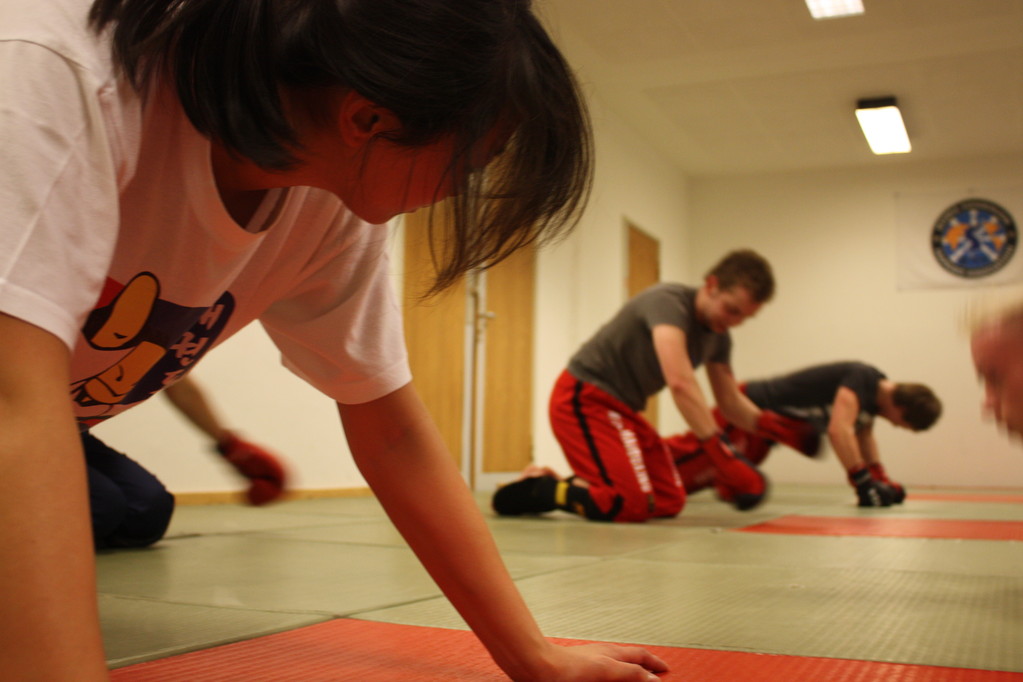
{"points": [[113, 236]]}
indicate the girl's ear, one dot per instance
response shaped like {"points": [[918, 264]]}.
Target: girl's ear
{"points": [[360, 120]]}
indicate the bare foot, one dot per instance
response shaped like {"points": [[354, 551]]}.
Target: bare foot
{"points": [[534, 470]]}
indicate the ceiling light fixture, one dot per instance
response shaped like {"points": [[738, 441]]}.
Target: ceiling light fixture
{"points": [[830, 9], [882, 125]]}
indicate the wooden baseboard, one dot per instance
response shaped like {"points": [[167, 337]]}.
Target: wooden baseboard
{"points": [[234, 497]]}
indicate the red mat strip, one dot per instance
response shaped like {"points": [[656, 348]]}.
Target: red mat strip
{"points": [[888, 527], [968, 497], [383, 652]]}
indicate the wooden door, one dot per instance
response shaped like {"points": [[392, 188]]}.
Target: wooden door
{"points": [[442, 333], [435, 332], [507, 442], [644, 270]]}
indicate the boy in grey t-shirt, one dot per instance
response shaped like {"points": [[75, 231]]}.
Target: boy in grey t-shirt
{"points": [[623, 471]]}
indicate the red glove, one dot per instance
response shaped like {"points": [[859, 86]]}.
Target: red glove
{"points": [[265, 473], [752, 446], [737, 481], [796, 433], [879, 474]]}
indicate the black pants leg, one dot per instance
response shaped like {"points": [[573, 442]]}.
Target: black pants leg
{"points": [[130, 507]]}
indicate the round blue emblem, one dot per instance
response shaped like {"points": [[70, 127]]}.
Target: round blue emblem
{"points": [[974, 238]]}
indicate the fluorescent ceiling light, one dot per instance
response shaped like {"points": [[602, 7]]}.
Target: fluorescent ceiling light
{"points": [[882, 125], [829, 9]]}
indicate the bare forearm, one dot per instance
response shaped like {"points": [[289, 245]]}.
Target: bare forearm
{"points": [[842, 428], [49, 624], [868, 447], [191, 402], [423, 493], [448, 535], [843, 442], [694, 409], [740, 410], [401, 454], [677, 370]]}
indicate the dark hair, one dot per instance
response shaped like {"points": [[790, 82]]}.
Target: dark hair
{"points": [[745, 268], [443, 67], [920, 406]]}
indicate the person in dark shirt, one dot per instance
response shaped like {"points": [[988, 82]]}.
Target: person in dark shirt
{"points": [[130, 507], [840, 399]]}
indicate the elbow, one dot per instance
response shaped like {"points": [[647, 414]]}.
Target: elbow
{"points": [[682, 390], [837, 432]]}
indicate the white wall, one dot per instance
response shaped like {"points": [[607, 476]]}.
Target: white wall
{"points": [[830, 237]]}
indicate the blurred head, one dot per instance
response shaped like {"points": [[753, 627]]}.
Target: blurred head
{"points": [[917, 406], [734, 290], [996, 346], [485, 109]]}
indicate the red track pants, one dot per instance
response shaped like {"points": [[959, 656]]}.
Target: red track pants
{"points": [[631, 474]]}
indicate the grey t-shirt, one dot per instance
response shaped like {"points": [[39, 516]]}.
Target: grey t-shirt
{"points": [[620, 358]]}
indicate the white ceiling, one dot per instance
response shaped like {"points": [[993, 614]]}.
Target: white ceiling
{"points": [[753, 86]]}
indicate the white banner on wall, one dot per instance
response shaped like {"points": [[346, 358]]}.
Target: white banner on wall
{"points": [[957, 239]]}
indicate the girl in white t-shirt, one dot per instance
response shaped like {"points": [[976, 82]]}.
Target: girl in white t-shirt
{"points": [[174, 169]]}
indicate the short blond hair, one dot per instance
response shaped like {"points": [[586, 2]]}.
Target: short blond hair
{"points": [[1002, 307]]}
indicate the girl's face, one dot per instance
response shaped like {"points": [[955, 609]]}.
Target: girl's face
{"points": [[398, 179], [376, 178], [392, 179], [353, 157]]}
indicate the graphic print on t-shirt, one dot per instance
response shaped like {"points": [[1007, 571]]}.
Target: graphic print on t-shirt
{"points": [[151, 343]]}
